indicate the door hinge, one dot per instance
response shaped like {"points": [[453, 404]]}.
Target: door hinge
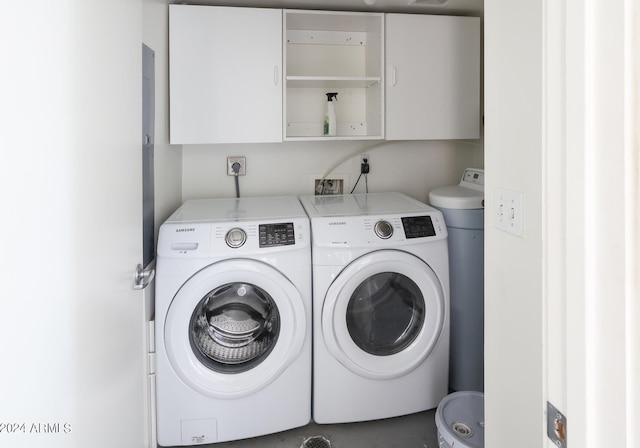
{"points": [[556, 426], [151, 348]]}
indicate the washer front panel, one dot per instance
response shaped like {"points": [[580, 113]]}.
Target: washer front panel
{"points": [[272, 301], [366, 286]]}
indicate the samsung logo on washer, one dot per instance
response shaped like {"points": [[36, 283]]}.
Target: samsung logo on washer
{"points": [[186, 229], [337, 223]]}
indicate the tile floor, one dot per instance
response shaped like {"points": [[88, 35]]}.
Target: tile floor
{"points": [[411, 431]]}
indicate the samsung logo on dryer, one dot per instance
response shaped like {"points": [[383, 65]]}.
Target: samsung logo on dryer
{"points": [[337, 223], [185, 229]]}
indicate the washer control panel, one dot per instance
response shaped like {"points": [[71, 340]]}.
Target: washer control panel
{"points": [[235, 238], [383, 229], [280, 234]]}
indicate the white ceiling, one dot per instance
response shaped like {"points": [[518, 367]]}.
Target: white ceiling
{"points": [[452, 7]]}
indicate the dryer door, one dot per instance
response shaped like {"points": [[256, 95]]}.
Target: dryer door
{"points": [[234, 327], [383, 314]]}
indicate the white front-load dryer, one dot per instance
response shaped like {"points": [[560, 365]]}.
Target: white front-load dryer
{"points": [[233, 320], [380, 306]]}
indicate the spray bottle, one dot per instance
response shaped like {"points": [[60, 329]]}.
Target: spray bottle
{"points": [[330, 117]]}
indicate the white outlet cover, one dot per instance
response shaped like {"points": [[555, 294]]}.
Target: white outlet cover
{"points": [[509, 211], [243, 165]]}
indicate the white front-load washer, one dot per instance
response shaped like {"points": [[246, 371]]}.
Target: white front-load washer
{"points": [[233, 320], [380, 306]]}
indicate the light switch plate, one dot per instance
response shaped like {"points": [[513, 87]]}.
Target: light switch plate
{"points": [[509, 211]]}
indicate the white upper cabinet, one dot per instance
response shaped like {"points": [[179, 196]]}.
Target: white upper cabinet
{"points": [[245, 75], [433, 77], [333, 52], [225, 70]]}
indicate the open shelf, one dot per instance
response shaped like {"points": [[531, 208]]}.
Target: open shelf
{"points": [[332, 81], [340, 52]]}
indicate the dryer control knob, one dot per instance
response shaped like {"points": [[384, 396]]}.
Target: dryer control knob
{"points": [[383, 229], [235, 238]]}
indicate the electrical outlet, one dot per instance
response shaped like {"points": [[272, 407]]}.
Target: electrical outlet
{"points": [[365, 164], [508, 211], [243, 166]]}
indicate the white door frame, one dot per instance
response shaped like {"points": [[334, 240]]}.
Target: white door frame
{"points": [[562, 124], [591, 197]]}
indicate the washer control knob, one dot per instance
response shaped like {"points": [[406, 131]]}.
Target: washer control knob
{"points": [[235, 238], [383, 229]]}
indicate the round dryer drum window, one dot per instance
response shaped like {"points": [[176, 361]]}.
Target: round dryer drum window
{"points": [[385, 314], [234, 327]]}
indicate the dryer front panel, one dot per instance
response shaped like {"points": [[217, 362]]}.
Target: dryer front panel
{"points": [[383, 314], [234, 327]]}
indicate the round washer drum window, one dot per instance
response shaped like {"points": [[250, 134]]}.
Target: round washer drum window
{"points": [[234, 327], [385, 313]]}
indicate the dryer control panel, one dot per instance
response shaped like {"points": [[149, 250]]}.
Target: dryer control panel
{"points": [[418, 226], [378, 231]]}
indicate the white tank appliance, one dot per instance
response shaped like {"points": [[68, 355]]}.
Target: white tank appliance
{"points": [[463, 209], [233, 320], [381, 306], [460, 420]]}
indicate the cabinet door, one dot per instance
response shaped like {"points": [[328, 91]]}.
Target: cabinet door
{"points": [[225, 67], [433, 77]]}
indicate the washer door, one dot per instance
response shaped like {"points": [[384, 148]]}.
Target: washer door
{"points": [[234, 327], [383, 314]]}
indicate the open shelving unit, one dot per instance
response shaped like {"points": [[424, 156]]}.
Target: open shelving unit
{"points": [[328, 51]]}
